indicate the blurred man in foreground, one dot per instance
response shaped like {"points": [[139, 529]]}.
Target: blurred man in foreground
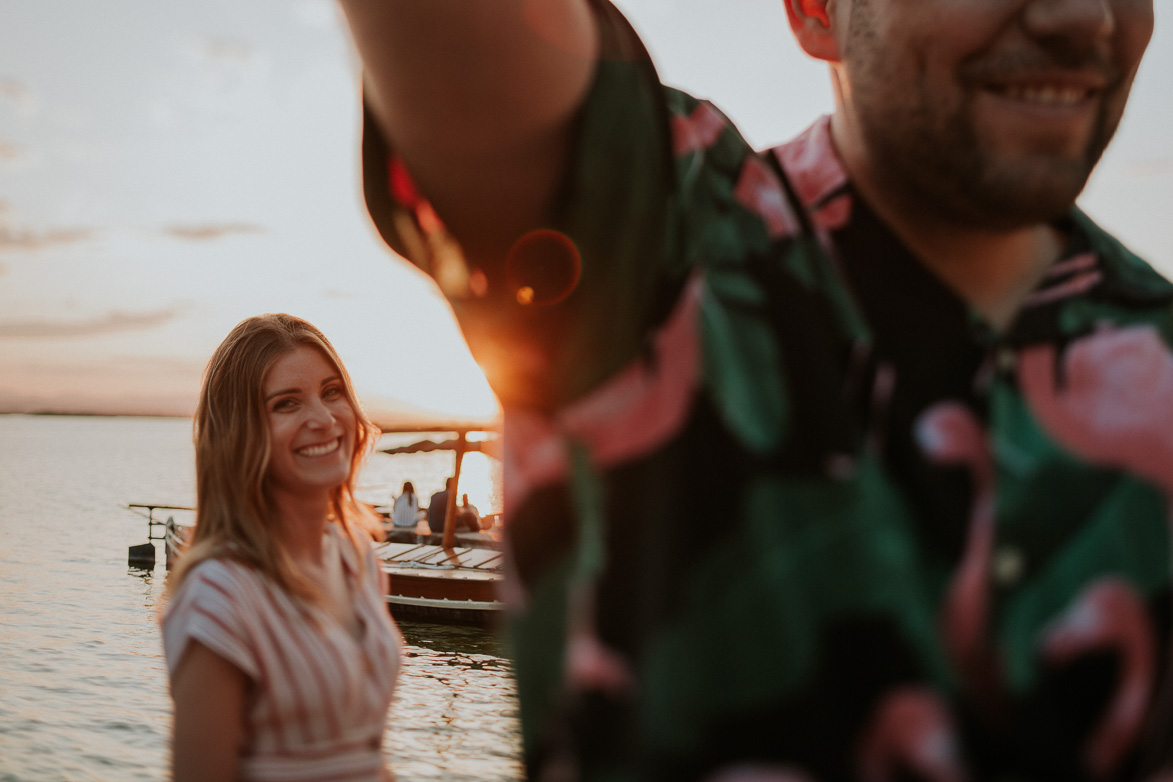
{"points": [[847, 460]]}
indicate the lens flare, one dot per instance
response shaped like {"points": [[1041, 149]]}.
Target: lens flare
{"points": [[543, 267]]}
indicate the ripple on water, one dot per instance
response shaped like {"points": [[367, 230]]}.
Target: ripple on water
{"points": [[454, 715]]}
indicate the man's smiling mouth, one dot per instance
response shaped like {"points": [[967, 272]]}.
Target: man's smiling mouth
{"points": [[1044, 94]]}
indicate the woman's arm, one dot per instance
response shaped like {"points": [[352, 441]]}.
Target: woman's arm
{"points": [[478, 98], [208, 729]]}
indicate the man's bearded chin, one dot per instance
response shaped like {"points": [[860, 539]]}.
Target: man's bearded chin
{"points": [[948, 174]]}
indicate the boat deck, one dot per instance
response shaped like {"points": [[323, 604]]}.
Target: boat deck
{"points": [[434, 583]]}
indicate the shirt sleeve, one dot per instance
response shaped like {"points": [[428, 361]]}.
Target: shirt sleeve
{"points": [[575, 300], [209, 608]]}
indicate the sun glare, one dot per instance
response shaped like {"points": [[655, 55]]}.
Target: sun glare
{"points": [[419, 367]]}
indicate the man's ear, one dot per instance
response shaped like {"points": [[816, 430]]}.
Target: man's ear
{"points": [[811, 23]]}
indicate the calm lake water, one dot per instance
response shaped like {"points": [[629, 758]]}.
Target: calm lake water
{"points": [[83, 690]]}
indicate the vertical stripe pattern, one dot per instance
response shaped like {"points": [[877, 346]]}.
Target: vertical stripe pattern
{"points": [[320, 695]]}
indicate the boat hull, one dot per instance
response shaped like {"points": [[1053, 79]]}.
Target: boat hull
{"points": [[446, 585], [445, 612]]}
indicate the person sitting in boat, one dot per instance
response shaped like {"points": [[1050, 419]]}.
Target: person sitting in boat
{"points": [[468, 518], [405, 513], [438, 507], [281, 654]]}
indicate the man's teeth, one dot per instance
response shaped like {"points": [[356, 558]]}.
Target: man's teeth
{"points": [[1049, 96], [319, 450]]}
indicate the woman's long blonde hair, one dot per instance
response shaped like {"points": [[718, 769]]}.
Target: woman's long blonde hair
{"points": [[235, 516]]}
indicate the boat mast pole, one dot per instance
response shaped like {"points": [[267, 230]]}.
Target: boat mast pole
{"points": [[449, 539]]}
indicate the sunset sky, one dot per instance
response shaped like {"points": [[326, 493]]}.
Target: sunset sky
{"points": [[167, 169]]}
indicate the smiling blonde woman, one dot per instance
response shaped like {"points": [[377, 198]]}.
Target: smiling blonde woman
{"points": [[281, 654]]}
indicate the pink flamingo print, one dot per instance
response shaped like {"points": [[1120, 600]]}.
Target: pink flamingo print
{"points": [[1111, 408], [948, 433], [1113, 404], [698, 131], [1109, 615], [590, 665], [624, 418], [911, 730], [759, 190]]}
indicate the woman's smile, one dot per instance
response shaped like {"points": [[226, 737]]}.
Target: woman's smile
{"points": [[320, 449]]}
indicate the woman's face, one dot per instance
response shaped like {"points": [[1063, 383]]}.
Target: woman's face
{"points": [[312, 426]]}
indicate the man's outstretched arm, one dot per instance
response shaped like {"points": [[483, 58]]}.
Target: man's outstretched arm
{"points": [[478, 97]]}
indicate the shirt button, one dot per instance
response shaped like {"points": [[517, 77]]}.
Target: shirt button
{"points": [[1008, 566], [1005, 359]]}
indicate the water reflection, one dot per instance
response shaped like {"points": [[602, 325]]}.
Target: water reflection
{"points": [[454, 716], [449, 638]]}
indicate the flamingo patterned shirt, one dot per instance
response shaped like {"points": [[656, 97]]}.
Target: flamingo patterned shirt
{"points": [[780, 507], [319, 696]]}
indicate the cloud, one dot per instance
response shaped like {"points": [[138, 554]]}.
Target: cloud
{"points": [[316, 14], [226, 51], [207, 232], [112, 322], [102, 385], [334, 293], [227, 63], [13, 90], [19, 96], [15, 239], [229, 72]]}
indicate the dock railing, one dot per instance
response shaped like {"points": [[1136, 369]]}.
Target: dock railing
{"points": [[143, 555]]}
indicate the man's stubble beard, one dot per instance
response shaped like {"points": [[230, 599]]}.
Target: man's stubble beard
{"points": [[939, 166]]}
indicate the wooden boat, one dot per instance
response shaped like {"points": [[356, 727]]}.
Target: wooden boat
{"points": [[454, 584], [434, 582], [443, 583]]}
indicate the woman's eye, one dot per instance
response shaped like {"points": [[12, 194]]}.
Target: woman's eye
{"points": [[332, 392], [283, 404]]}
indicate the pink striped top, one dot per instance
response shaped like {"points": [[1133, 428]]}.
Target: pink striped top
{"points": [[320, 697]]}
